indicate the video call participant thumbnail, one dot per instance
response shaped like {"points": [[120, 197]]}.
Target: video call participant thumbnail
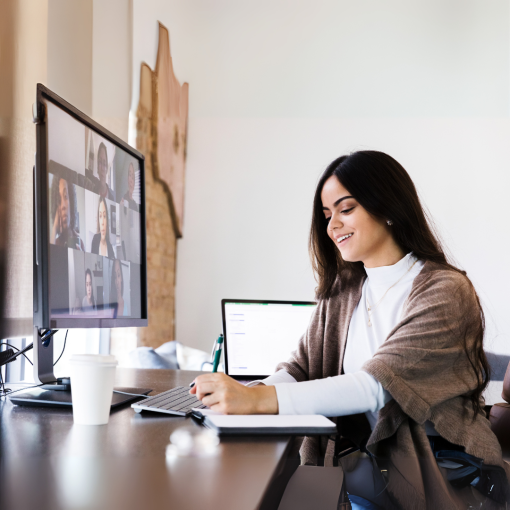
{"points": [[64, 209], [128, 197], [102, 188], [101, 241], [117, 301], [89, 301]]}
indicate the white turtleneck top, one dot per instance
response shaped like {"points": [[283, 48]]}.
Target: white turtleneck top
{"points": [[356, 391]]}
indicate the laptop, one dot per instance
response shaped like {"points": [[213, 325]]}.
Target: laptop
{"points": [[258, 335]]}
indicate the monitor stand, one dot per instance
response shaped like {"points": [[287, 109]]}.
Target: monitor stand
{"points": [[56, 392]]}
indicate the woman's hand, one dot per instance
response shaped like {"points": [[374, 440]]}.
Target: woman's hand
{"points": [[224, 395]]}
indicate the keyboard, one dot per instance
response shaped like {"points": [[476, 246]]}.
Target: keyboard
{"points": [[176, 401]]}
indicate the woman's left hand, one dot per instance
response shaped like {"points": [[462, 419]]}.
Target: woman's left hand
{"points": [[224, 395]]}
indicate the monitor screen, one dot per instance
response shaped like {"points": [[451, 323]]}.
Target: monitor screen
{"points": [[259, 335], [95, 225]]}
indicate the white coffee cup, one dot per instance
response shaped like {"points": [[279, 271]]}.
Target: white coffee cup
{"points": [[92, 380]]}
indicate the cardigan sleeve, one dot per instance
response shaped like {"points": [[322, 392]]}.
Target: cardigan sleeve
{"points": [[422, 363]]}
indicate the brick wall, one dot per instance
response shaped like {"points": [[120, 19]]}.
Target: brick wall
{"points": [[161, 251]]}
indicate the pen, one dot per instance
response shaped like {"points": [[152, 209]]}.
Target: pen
{"points": [[217, 356]]}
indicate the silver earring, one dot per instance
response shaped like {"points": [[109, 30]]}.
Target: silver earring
{"points": [[389, 222]]}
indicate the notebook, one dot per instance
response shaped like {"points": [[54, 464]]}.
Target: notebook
{"points": [[265, 424]]}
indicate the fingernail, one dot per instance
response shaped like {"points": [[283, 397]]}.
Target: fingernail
{"points": [[192, 384]]}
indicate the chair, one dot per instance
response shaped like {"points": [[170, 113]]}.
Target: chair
{"points": [[500, 416]]}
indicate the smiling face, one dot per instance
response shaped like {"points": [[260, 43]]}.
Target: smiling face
{"points": [[64, 204], [88, 286], [131, 179], [103, 220], [357, 234]]}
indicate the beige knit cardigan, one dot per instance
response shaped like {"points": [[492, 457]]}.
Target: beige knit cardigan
{"points": [[423, 365]]}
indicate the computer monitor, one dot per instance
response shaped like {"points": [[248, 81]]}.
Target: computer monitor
{"points": [[89, 228]]}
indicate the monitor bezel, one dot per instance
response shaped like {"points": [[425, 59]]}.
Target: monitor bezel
{"points": [[42, 312], [243, 377]]}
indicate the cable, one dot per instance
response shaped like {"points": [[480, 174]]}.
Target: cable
{"points": [[63, 349], [2, 382], [12, 347], [12, 358], [132, 394]]}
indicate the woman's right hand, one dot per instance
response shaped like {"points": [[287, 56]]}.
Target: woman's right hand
{"points": [[227, 396]]}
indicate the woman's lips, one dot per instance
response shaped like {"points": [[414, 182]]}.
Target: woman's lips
{"points": [[344, 240]]}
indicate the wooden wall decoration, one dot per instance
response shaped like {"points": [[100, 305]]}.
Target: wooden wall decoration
{"points": [[172, 124], [161, 131]]}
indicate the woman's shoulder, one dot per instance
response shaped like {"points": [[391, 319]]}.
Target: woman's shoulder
{"points": [[442, 277], [439, 283]]}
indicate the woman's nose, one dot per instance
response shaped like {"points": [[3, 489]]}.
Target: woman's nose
{"points": [[334, 222]]}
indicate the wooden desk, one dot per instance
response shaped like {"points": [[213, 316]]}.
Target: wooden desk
{"points": [[47, 463]]}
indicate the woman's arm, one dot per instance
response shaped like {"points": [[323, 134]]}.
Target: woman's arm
{"points": [[341, 395], [225, 395]]}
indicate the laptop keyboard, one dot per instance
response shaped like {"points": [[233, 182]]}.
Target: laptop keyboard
{"points": [[176, 401]]}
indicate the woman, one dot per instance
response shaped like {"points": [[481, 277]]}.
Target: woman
{"points": [[64, 208], [102, 188], [117, 290], [89, 301], [101, 241], [398, 336], [128, 197]]}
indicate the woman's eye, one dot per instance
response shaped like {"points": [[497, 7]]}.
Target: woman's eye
{"points": [[346, 211], [328, 219]]}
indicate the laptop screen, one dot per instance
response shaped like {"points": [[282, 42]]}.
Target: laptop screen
{"points": [[261, 334]]}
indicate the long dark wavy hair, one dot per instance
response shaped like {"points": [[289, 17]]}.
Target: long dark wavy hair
{"points": [[384, 189]]}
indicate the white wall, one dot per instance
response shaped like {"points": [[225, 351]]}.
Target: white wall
{"points": [[112, 60], [278, 89], [89, 58], [70, 51]]}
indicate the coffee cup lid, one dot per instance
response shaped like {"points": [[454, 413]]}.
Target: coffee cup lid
{"points": [[96, 359]]}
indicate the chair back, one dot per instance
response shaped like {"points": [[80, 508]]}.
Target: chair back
{"points": [[506, 385]]}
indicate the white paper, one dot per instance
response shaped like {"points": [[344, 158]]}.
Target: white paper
{"points": [[223, 421]]}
